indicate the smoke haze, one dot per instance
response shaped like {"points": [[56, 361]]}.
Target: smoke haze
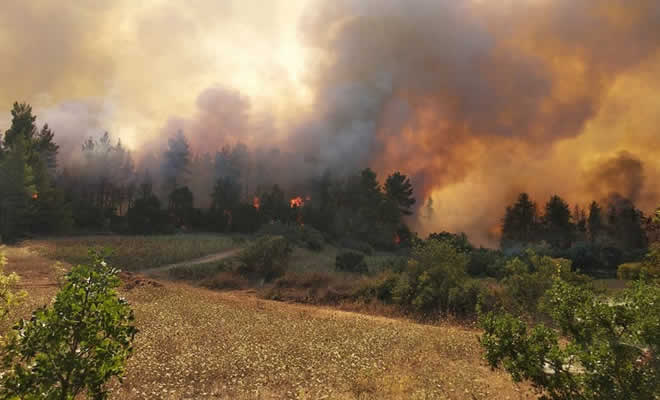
{"points": [[475, 100]]}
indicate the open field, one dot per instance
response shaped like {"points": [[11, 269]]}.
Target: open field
{"points": [[200, 344], [135, 253]]}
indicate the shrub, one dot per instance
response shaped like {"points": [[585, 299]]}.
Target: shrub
{"points": [[432, 272], [267, 258], [351, 261], [301, 235], [609, 349], [531, 275], [8, 294], [629, 271], [196, 272], [74, 346], [486, 262]]}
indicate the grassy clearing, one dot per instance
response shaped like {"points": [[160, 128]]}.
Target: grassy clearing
{"points": [[201, 344], [135, 253]]}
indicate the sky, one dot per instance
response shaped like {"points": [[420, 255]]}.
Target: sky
{"points": [[476, 100]]}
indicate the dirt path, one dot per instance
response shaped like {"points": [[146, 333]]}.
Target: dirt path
{"points": [[202, 260]]}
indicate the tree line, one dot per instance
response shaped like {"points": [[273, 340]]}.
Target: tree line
{"points": [[100, 189]]}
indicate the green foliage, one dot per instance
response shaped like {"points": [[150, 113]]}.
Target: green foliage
{"points": [[181, 205], [436, 280], [531, 275], [300, 235], [9, 296], [145, 216], [603, 349], [649, 266], [629, 271], [520, 224], [558, 230], [16, 190], [74, 346], [267, 258], [350, 261], [399, 191]]}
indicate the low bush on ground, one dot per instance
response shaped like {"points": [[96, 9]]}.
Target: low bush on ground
{"points": [[649, 266], [300, 235], [350, 261], [314, 288], [196, 272], [265, 259], [601, 349]]}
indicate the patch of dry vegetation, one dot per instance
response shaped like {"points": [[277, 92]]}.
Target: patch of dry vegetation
{"points": [[135, 253], [196, 343]]}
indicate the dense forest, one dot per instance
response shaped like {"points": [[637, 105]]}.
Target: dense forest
{"points": [[102, 190]]}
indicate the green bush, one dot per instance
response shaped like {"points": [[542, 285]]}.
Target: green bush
{"points": [[433, 279], [529, 276], [300, 235], [629, 271], [267, 258], [351, 261], [74, 346], [196, 272], [603, 349]]}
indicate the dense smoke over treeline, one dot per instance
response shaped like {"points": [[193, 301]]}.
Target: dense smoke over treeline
{"points": [[476, 101]]}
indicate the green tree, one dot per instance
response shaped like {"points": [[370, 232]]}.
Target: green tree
{"points": [[520, 224], [16, 190], [181, 205], [557, 227], [603, 349], [176, 162], [22, 125], [595, 221], [399, 190], [76, 345]]}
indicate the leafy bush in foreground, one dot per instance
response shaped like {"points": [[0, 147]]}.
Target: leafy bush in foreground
{"points": [[611, 349], [76, 345], [8, 282]]}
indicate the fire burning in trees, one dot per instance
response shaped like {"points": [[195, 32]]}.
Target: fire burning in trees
{"points": [[256, 203], [297, 202]]}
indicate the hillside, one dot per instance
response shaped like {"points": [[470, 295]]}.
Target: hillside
{"points": [[200, 344]]}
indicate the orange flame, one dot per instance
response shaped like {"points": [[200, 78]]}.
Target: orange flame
{"points": [[256, 203], [297, 202], [35, 196]]}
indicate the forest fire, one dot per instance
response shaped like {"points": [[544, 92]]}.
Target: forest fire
{"points": [[397, 239], [297, 202], [256, 203], [35, 196]]}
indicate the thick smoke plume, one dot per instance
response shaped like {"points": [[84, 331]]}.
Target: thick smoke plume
{"points": [[475, 100]]}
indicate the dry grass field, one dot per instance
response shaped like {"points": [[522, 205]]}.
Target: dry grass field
{"points": [[196, 343]]}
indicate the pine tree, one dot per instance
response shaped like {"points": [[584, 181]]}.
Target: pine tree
{"points": [[17, 189], [399, 190], [595, 221], [520, 224], [557, 227]]}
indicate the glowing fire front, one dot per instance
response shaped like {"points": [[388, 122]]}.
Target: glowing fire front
{"points": [[297, 202]]}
